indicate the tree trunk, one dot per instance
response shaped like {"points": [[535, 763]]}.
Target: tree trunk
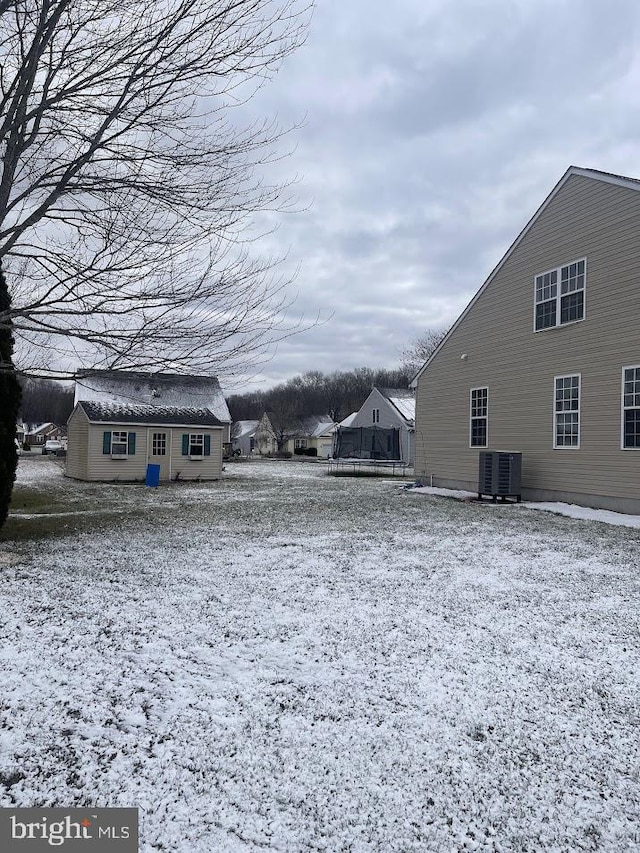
{"points": [[9, 404]]}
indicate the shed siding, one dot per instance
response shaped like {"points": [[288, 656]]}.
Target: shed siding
{"points": [[208, 468], [77, 445], [102, 467], [587, 218]]}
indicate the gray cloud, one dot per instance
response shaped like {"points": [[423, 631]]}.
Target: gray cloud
{"points": [[433, 131]]}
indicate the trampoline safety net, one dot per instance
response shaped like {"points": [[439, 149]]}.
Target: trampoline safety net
{"points": [[367, 443]]}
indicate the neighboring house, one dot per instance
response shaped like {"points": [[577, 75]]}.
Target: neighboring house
{"points": [[265, 437], [390, 408], [112, 441], [243, 437], [36, 436], [124, 420], [314, 432], [545, 359], [300, 433]]}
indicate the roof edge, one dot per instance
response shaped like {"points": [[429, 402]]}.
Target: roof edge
{"points": [[593, 174]]}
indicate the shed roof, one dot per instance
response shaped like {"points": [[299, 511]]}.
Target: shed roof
{"points": [[158, 390], [115, 413]]}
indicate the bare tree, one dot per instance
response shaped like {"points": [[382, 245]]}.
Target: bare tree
{"points": [[421, 349], [126, 190]]}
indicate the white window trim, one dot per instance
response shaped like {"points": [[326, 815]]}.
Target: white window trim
{"points": [[486, 417], [124, 455], [196, 456], [623, 408], [557, 446], [558, 324]]}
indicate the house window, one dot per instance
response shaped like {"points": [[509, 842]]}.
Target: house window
{"points": [[567, 412], [559, 295], [631, 407], [118, 443], [376, 416], [159, 444], [478, 417], [299, 443]]}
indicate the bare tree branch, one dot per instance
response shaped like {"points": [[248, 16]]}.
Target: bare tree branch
{"points": [[126, 190]]}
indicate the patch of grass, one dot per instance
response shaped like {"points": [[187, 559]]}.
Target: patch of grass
{"points": [[25, 499]]}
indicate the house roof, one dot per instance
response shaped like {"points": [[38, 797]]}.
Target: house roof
{"points": [[401, 399], [115, 413], [348, 420], [241, 429], [159, 390], [593, 174], [309, 425], [39, 428], [302, 427]]}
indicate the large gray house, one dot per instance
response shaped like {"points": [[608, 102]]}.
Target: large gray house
{"points": [[390, 408], [545, 359]]}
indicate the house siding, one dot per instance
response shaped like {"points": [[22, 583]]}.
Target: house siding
{"points": [[586, 219]]}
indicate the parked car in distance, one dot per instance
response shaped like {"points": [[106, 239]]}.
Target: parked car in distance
{"points": [[51, 446]]}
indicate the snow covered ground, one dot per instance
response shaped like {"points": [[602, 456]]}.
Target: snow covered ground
{"points": [[293, 662]]}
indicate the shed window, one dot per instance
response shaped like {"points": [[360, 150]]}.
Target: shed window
{"points": [[567, 411], [631, 407], [559, 295], [196, 445], [159, 444], [118, 443]]}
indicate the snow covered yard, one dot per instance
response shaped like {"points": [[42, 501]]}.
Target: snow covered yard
{"points": [[293, 662]]}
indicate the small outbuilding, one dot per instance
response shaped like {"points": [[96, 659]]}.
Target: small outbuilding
{"points": [[116, 442]]}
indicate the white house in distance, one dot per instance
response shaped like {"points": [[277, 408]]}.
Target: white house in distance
{"points": [[243, 437], [390, 408], [124, 420]]}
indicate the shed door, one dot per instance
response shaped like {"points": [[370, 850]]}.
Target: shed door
{"points": [[158, 442]]}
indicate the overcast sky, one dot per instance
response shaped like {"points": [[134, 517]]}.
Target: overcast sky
{"points": [[433, 130]]}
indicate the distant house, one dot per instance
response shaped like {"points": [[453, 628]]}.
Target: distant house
{"points": [[275, 433], [314, 432], [265, 438], [122, 421], [545, 359], [36, 435], [390, 408], [243, 437]]}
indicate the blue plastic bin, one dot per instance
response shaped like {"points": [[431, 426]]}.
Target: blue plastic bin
{"points": [[153, 476]]}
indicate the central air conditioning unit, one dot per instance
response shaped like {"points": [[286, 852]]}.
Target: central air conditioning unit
{"points": [[500, 475]]}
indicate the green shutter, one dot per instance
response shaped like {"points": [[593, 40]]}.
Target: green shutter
{"points": [[131, 443], [106, 443], [185, 443], [207, 445]]}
